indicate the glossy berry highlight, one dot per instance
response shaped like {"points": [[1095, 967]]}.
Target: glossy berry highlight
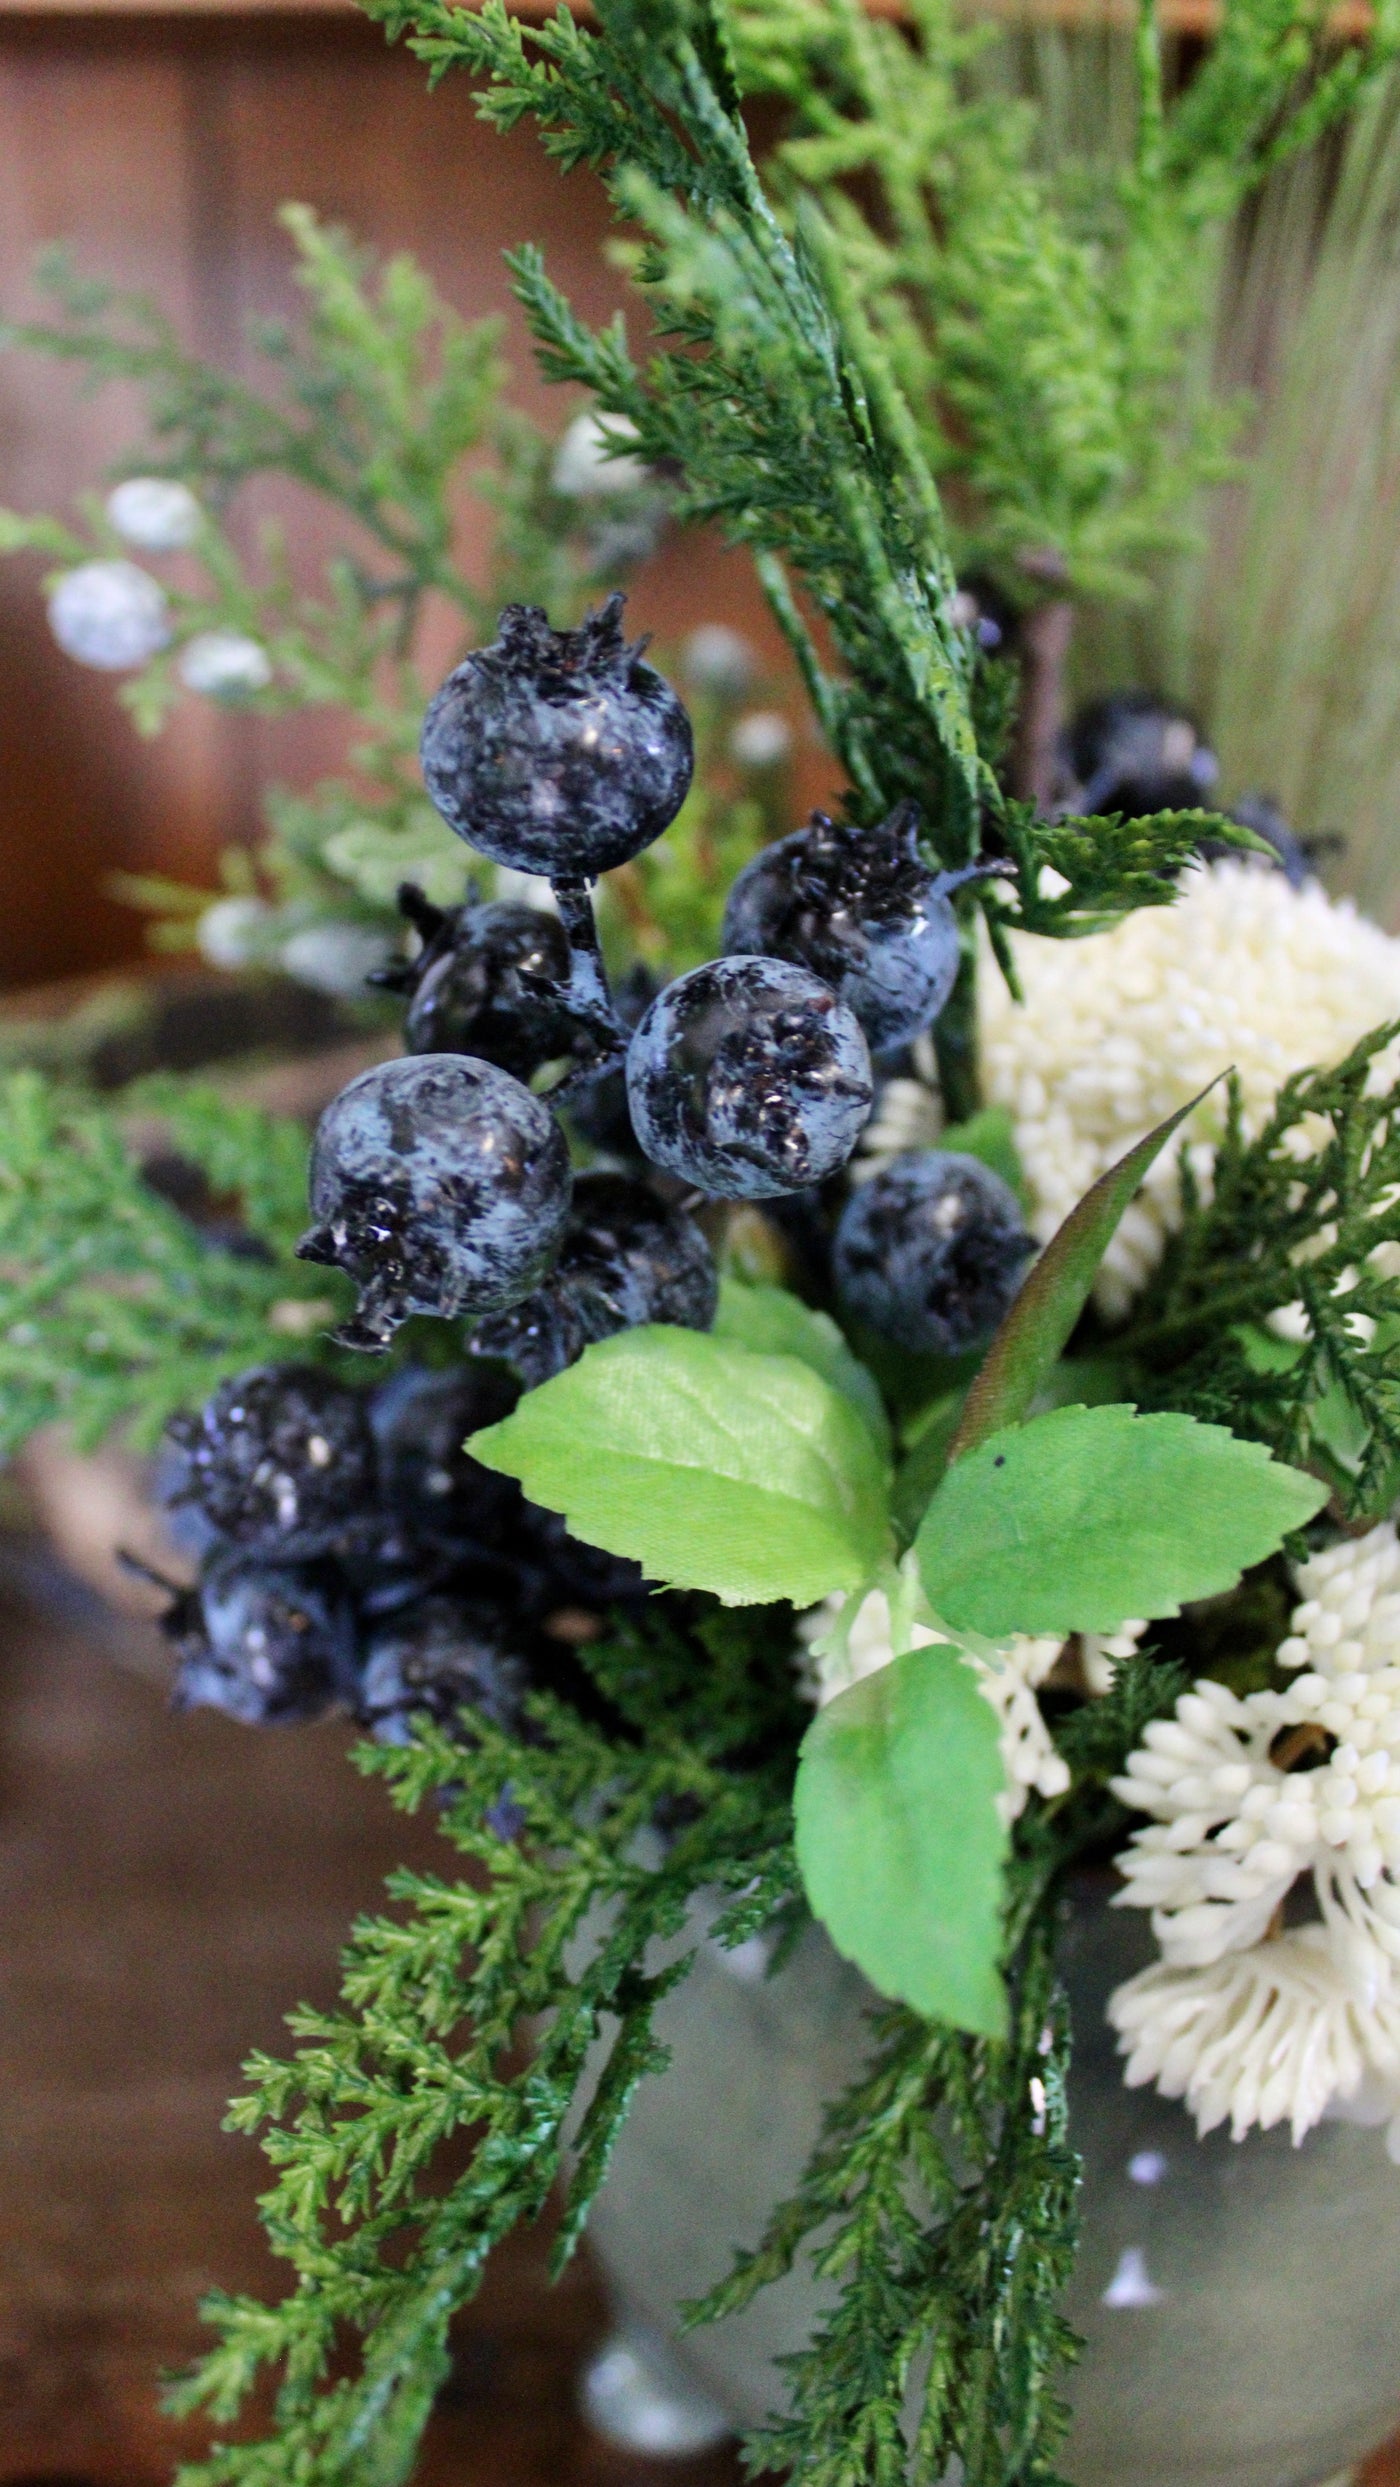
{"points": [[862, 910], [748, 1078], [441, 1185], [931, 1251], [558, 751]]}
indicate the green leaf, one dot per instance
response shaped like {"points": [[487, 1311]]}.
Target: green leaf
{"points": [[712, 1466], [898, 1837], [1087, 1516], [775, 1322], [1036, 1330]]}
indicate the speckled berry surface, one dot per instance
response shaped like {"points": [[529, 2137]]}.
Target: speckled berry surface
{"points": [[931, 1251], [626, 1258], [489, 981], [279, 1461], [441, 1185], [863, 911], [557, 751], [436, 1658], [269, 1644], [748, 1078]]}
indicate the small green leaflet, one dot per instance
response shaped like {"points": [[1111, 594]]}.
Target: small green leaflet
{"points": [[1087, 1516], [778, 1323], [898, 1837], [1036, 1331], [711, 1465]]}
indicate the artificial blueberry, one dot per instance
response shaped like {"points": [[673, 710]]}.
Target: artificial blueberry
{"points": [[557, 751], [490, 980], [280, 1461], [437, 1658], [441, 1185], [930, 1251], [862, 910], [1134, 753], [269, 1644], [440, 1497], [749, 1078], [626, 1258]]}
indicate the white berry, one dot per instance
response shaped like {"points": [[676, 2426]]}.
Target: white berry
{"points": [[109, 614]]}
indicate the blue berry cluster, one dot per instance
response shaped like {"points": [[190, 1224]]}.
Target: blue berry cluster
{"points": [[353, 1555]]}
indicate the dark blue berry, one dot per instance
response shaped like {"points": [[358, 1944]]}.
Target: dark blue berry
{"points": [[440, 1497], [280, 1461], [437, 1658], [490, 980], [863, 911], [930, 1252], [748, 1078], [441, 1185], [269, 1644], [1134, 753], [557, 751], [626, 1259]]}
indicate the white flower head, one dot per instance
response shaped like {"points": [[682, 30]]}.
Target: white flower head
{"points": [[111, 614], [155, 513], [335, 959], [1266, 1800], [224, 664], [761, 740], [1118, 1030], [235, 932], [719, 660], [841, 1646], [584, 469]]}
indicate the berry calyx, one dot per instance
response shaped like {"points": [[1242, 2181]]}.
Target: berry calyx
{"points": [[626, 1259], [558, 751], [864, 911], [279, 1461], [441, 1185], [749, 1078], [930, 1252]]}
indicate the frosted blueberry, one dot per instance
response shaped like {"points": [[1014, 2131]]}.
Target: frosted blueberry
{"points": [[336, 959], [110, 614], [930, 1251], [584, 469], [437, 1493], [155, 513], [224, 664], [235, 932], [557, 751], [748, 1078], [438, 1658], [489, 980], [863, 911], [441, 1185], [279, 1461], [626, 1258], [268, 1644]]}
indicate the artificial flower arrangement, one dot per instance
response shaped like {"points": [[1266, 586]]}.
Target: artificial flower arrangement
{"points": [[840, 1420]]}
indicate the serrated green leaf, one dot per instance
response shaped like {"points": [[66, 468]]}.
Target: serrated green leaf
{"points": [[775, 1322], [1036, 1330], [1087, 1516], [899, 1840], [711, 1465]]}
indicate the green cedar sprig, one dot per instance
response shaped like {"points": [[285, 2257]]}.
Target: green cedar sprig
{"points": [[553, 1937]]}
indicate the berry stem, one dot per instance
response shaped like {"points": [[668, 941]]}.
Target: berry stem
{"points": [[589, 997]]}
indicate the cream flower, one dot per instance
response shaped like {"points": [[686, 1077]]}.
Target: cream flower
{"points": [[1118, 1030], [1247, 1800], [836, 1653]]}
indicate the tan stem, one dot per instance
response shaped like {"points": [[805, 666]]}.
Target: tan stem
{"points": [[1045, 638]]}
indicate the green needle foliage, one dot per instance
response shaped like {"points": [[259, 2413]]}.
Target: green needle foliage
{"points": [[484, 2009]]}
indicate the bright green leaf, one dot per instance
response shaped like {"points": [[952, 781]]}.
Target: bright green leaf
{"points": [[899, 1840], [1087, 1516], [777, 1323], [1036, 1330], [712, 1466]]}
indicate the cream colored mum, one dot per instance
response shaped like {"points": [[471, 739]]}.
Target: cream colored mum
{"points": [[1118, 1030]]}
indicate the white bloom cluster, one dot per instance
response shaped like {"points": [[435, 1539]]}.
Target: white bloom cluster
{"points": [[585, 468], [224, 664], [837, 1653], [1254, 1802], [1118, 1030], [111, 614], [155, 513]]}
